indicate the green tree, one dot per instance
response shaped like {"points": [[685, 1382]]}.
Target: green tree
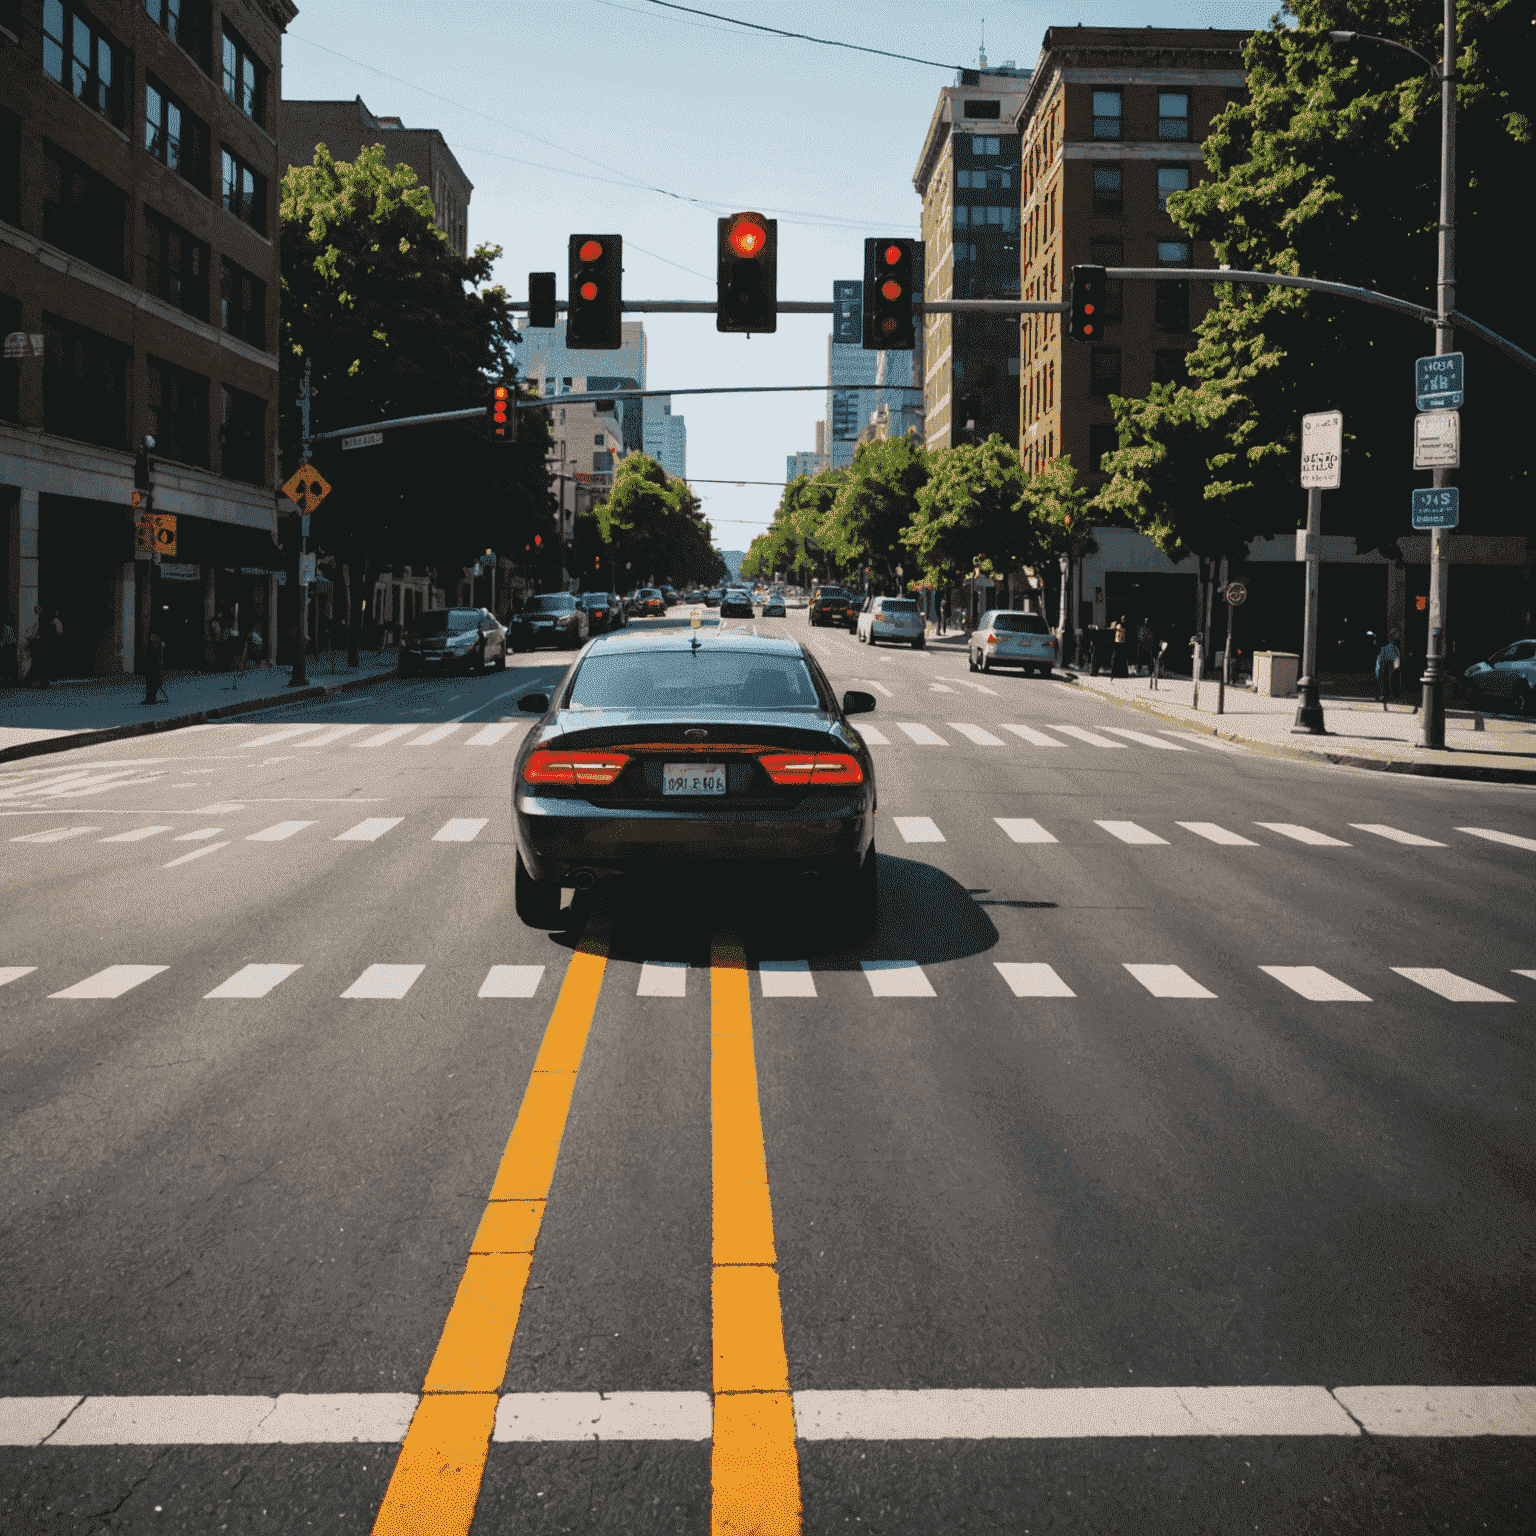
{"points": [[654, 525], [976, 508], [874, 503]]}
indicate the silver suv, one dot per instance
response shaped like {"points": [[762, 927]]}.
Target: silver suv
{"points": [[1009, 637]]}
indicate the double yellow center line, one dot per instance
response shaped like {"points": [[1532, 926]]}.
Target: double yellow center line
{"points": [[754, 1464]]}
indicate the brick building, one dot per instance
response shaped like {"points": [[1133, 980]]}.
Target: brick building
{"points": [[138, 240]]}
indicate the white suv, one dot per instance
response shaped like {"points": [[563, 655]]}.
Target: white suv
{"points": [[892, 618], [1008, 637]]}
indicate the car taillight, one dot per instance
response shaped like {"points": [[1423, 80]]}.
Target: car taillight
{"points": [[812, 768], [574, 767], [991, 638]]}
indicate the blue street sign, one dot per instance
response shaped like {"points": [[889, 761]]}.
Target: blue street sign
{"points": [[1438, 507], [1438, 382]]}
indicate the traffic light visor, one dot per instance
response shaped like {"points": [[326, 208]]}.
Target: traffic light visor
{"points": [[747, 238], [590, 251]]}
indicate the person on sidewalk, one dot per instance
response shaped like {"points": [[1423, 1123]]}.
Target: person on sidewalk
{"points": [[1388, 659], [1119, 665], [154, 670], [1146, 647]]}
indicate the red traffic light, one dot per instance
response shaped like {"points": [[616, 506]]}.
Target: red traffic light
{"points": [[501, 391], [588, 290], [890, 289], [590, 250], [748, 238], [892, 255]]}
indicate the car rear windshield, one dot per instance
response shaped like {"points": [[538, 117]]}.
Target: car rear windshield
{"points": [[438, 621], [685, 680], [831, 592], [550, 602], [898, 605], [1020, 623]]}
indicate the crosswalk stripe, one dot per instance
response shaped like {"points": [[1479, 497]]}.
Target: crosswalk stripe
{"points": [[873, 737], [1032, 980], [1507, 838], [277, 832], [511, 981], [334, 734], [663, 978], [198, 835], [1302, 834], [10, 973], [1091, 737], [975, 733], [979, 687], [786, 978], [1213, 833], [1168, 981], [897, 978], [489, 735], [1034, 737], [55, 835], [431, 738], [136, 836], [461, 829], [1317, 986], [1024, 829], [286, 734], [921, 734], [253, 981], [1529, 975], [1412, 839], [197, 853], [918, 829], [878, 687], [393, 733], [1201, 739], [1450, 986], [385, 981], [940, 688], [1145, 739], [112, 982], [368, 831], [1129, 832]]}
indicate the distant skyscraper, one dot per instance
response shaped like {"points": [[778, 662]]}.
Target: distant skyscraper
{"points": [[855, 377], [666, 436]]}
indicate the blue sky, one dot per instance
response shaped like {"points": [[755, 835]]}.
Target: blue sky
{"points": [[618, 115]]}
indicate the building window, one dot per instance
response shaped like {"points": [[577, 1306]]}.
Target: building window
{"points": [[1102, 439], [1111, 253], [83, 59], [1173, 114], [175, 265], [245, 76], [178, 412], [184, 22], [1168, 366], [177, 138], [1104, 371], [10, 378], [1106, 114], [85, 384], [1108, 191], [1170, 178], [984, 109], [1173, 253], [984, 146], [10, 168], [243, 305], [244, 437], [245, 191], [1170, 307], [83, 213]]}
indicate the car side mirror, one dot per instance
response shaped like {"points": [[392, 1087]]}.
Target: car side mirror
{"points": [[855, 703], [533, 703]]}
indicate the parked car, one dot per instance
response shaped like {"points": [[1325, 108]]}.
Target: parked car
{"points": [[833, 605], [1009, 637], [1509, 674], [551, 618], [444, 638], [897, 619], [712, 598], [672, 596], [773, 606], [736, 604], [649, 603], [603, 613]]}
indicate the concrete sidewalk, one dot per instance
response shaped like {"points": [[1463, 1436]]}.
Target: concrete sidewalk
{"points": [[92, 709]]}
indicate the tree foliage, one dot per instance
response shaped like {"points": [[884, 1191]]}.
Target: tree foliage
{"points": [[653, 527]]}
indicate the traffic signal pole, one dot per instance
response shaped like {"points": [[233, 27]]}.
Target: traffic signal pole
{"points": [[299, 677]]}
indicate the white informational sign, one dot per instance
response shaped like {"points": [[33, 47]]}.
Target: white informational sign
{"points": [[1437, 440], [363, 440], [1322, 450]]}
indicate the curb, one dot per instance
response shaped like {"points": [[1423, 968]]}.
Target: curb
{"points": [[70, 740], [1470, 772]]}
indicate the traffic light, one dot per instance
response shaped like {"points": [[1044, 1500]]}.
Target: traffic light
{"points": [[141, 470], [501, 414], [595, 294], [747, 274], [541, 300], [888, 286], [1086, 304]]}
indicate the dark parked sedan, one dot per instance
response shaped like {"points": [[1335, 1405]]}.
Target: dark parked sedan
{"points": [[602, 612], [709, 751], [833, 605], [442, 638], [773, 606], [551, 618], [736, 604]]}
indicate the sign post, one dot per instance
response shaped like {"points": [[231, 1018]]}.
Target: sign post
{"points": [[1322, 456], [1236, 593], [1439, 387]]}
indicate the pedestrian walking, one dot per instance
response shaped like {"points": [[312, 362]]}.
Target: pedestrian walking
{"points": [[154, 670], [1146, 646], [1119, 659], [1388, 660]]}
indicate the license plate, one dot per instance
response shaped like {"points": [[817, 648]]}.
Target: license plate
{"points": [[693, 778]]}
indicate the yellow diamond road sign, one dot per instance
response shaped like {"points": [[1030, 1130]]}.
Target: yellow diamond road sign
{"points": [[307, 489]]}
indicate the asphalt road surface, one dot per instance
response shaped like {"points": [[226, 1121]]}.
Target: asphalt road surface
{"points": [[1164, 1163]]}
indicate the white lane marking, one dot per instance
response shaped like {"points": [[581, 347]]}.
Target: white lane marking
{"points": [[277, 831], [786, 978], [1091, 737], [30, 1420], [253, 981], [1168, 981], [368, 831], [431, 738], [55, 835], [1412, 839], [1317, 986], [222, 808], [975, 733], [1302, 834], [489, 735], [1529, 975], [1508, 838], [921, 735], [10, 973], [663, 978], [873, 737], [1129, 832], [334, 734], [385, 981], [1213, 833], [1032, 980], [1442, 1411], [461, 829], [878, 687], [918, 829], [1450, 986], [1024, 829], [897, 978], [286, 734], [940, 688], [1204, 741], [1144, 739], [554, 1416], [394, 732], [112, 982], [196, 853], [199, 835], [1034, 737], [98, 785], [511, 981], [979, 687]]}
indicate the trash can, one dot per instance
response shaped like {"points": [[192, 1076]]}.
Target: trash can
{"points": [[1275, 673]]}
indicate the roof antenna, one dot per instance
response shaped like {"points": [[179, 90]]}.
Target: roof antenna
{"points": [[981, 59]]}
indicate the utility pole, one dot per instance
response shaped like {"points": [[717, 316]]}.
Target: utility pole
{"points": [[299, 677]]}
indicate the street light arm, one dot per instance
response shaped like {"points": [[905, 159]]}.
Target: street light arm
{"points": [[1387, 42]]}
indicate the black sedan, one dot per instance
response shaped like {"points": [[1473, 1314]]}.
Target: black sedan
{"points": [[717, 752], [551, 618], [603, 613], [442, 638], [735, 603]]}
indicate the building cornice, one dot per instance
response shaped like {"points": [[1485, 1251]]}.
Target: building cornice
{"points": [[1078, 61]]}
